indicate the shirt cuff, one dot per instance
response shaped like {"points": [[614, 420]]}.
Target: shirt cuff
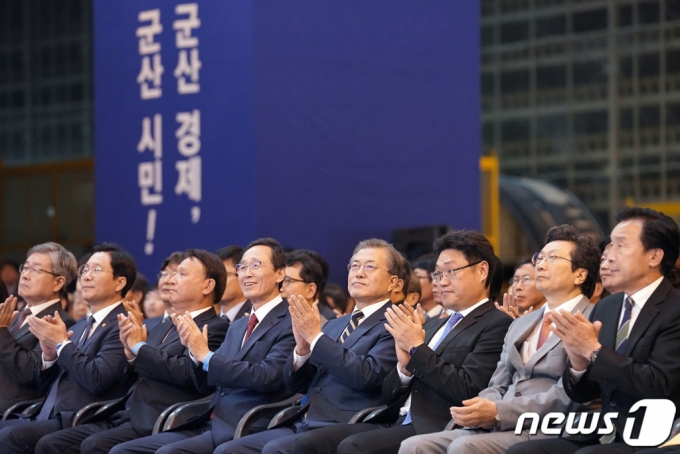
{"points": [[313, 343], [47, 364], [575, 375], [299, 361], [206, 361], [138, 345], [61, 346], [404, 379]]}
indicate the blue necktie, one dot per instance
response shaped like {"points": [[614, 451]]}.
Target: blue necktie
{"points": [[453, 320]]}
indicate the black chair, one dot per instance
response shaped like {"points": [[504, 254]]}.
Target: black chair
{"points": [[24, 409], [267, 411], [367, 414], [89, 411], [180, 413], [288, 416]]}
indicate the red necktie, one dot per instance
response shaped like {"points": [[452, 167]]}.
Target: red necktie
{"points": [[544, 333], [252, 322]]}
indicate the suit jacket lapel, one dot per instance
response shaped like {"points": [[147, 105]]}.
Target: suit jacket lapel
{"points": [[375, 318], [157, 334], [648, 312], [433, 328], [270, 320]]}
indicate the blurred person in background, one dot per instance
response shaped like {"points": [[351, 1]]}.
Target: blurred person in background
{"points": [[9, 273], [524, 297], [336, 299], [138, 291], [399, 292], [430, 300], [233, 304], [153, 304], [168, 270]]}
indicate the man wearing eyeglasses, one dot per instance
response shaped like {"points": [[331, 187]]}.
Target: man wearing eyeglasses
{"points": [[80, 366], [304, 276], [49, 267], [341, 367], [523, 297], [246, 370], [528, 377], [451, 361], [233, 304]]}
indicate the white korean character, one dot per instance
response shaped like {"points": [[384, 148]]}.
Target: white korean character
{"points": [[189, 178], [149, 77], [146, 34], [149, 174], [183, 38], [152, 141], [188, 66], [189, 132]]}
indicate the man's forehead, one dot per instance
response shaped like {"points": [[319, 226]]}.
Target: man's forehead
{"points": [[557, 247], [99, 258], [38, 257], [369, 254], [527, 269], [259, 252], [294, 269]]}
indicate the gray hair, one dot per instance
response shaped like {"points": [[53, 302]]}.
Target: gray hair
{"points": [[63, 261], [394, 258]]}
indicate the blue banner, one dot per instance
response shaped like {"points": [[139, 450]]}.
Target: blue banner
{"points": [[318, 123]]}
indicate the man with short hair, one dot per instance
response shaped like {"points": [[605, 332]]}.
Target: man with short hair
{"points": [[451, 361], [233, 305], [528, 377], [398, 295], [342, 366], [247, 368], [159, 364], [523, 297], [167, 271], [423, 267], [80, 366], [627, 351], [49, 267], [304, 276]]}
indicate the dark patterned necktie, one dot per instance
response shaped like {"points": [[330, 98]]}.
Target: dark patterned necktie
{"points": [[352, 325]]}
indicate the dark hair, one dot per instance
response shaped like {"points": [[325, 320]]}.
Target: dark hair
{"points": [[585, 254], [496, 279], [310, 271], [122, 263], [278, 257], [142, 285], [523, 261], [604, 243], [4, 294], [425, 262], [235, 253], [324, 267], [413, 285], [405, 273], [214, 269], [658, 232], [12, 263], [473, 245], [393, 256], [175, 258], [338, 295], [71, 287]]}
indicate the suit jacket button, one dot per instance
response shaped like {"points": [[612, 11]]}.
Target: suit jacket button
{"points": [[222, 394], [317, 390], [518, 394], [612, 404]]}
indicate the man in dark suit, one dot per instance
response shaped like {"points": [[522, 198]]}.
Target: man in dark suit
{"points": [[627, 351], [78, 367], [451, 361], [304, 276], [247, 369], [168, 269], [160, 362], [49, 267], [342, 367], [233, 305]]}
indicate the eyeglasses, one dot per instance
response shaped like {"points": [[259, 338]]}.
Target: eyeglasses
{"points": [[34, 271], [287, 280], [526, 279], [355, 267], [437, 276], [166, 275], [254, 266], [537, 259], [95, 270]]}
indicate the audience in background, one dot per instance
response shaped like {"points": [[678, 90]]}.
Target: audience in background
{"points": [[153, 304], [9, 274], [523, 297], [233, 305]]}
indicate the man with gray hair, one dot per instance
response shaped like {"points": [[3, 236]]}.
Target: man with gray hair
{"points": [[48, 269]]}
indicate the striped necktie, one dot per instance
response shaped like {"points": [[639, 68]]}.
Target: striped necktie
{"points": [[352, 325]]}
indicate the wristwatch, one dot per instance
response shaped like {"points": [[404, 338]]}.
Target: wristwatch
{"points": [[498, 422], [412, 351]]}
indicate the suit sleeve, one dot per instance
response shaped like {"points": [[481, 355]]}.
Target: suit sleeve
{"points": [[361, 372], [99, 374], [19, 362], [502, 376], [392, 390], [299, 380], [176, 369], [262, 376], [465, 382]]}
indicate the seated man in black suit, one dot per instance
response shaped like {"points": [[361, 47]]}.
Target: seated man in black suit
{"points": [[80, 366], [49, 267], [304, 276], [233, 305], [161, 364], [168, 269], [628, 350], [451, 361], [247, 369], [342, 367]]}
